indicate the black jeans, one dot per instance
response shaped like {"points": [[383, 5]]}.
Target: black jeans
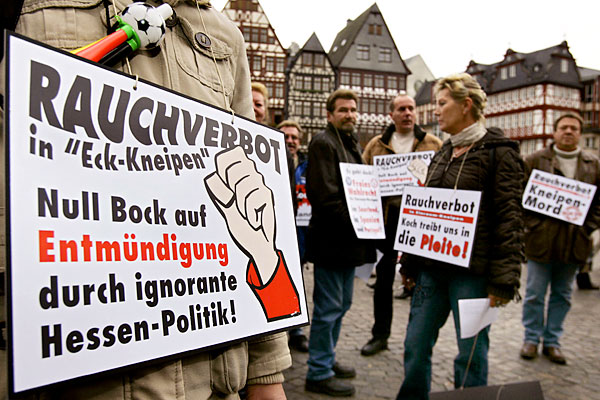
{"points": [[383, 296]]}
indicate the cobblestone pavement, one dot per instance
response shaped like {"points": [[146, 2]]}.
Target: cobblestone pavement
{"points": [[380, 376]]}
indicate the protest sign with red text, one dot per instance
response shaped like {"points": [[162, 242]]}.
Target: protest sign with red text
{"points": [[438, 223]]}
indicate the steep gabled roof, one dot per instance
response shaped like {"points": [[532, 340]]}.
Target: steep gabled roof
{"points": [[541, 66], [425, 93], [346, 36], [313, 44], [258, 9], [587, 74], [340, 56]]}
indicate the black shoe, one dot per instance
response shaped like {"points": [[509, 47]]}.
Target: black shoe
{"points": [[404, 295], [342, 372], [374, 346], [330, 386], [2, 341], [298, 343], [584, 282]]}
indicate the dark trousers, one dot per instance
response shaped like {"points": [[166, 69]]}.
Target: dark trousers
{"points": [[383, 296]]}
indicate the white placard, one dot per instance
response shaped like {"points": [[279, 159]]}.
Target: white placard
{"points": [[362, 197], [142, 223], [438, 223], [558, 197], [474, 315], [398, 170]]}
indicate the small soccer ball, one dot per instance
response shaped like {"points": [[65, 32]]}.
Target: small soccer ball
{"points": [[147, 23]]}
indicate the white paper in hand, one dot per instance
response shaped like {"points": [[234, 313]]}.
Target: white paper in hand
{"points": [[474, 315]]}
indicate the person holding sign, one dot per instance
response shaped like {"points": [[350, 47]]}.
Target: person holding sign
{"points": [[203, 57], [401, 137], [332, 244], [555, 247], [293, 136], [472, 159]]}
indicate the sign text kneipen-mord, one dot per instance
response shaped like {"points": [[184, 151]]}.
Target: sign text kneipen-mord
{"points": [[558, 197]]}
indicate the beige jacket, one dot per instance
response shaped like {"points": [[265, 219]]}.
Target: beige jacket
{"points": [[380, 145], [185, 67]]}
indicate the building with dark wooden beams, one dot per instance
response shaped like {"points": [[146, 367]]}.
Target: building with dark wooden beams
{"points": [[590, 109], [528, 91], [367, 61], [266, 55], [310, 79]]}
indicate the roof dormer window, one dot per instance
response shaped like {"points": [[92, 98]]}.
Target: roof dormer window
{"points": [[564, 66]]}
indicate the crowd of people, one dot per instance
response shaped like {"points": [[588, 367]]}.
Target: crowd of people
{"points": [[473, 158]]}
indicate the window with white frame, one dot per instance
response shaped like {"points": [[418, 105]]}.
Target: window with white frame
{"points": [[564, 66], [385, 55], [270, 64], [368, 80], [307, 82], [307, 59], [317, 83], [280, 64], [319, 60], [256, 63], [306, 108], [345, 78], [362, 52], [392, 82], [279, 90]]}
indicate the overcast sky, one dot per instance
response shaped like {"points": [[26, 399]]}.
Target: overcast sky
{"points": [[447, 34]]}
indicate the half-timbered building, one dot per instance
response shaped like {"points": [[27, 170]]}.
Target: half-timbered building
{"points": [[367, 61], [310, 80], [528, 91], [266, 55]]}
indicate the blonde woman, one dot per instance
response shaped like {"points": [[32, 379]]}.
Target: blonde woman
{"points": [[473, 158]]}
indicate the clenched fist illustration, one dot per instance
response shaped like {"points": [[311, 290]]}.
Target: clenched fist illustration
{"points": [[240, 194]]}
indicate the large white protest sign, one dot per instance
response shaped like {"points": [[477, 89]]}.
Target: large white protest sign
{"points": [[438, 223], [558, 197], [395, 171], [142, 223], [362, 197]]}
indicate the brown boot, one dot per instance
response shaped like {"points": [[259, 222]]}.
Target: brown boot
{"points": [[555, 355], [529, 351]]}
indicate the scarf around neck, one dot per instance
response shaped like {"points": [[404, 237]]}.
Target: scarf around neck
{"points": [[469, 135]]}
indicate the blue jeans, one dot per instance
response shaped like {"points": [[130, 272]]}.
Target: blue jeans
{"points": [[560, 277], [332, 297], [436, 293]]}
